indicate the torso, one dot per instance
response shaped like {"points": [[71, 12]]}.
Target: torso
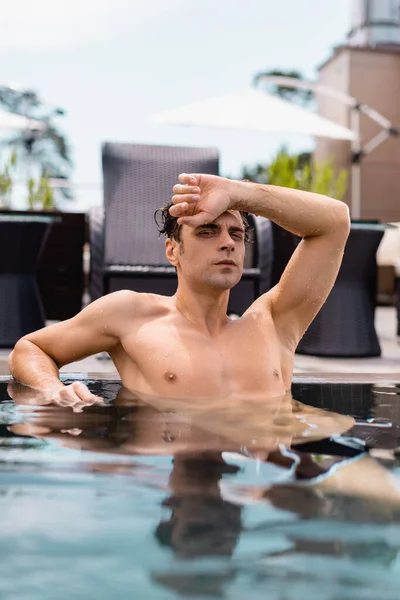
{"points": [[164, 354]]}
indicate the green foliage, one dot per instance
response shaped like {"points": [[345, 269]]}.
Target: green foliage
{"points": [[6, 182], [45, 151], [40, 193], [299, 172], [326, 181]]}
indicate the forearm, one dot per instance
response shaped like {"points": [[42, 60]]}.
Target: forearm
{"points": [[30, 366], [303, 213]]}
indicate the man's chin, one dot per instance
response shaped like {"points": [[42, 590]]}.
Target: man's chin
{"points": [[223, 283]]}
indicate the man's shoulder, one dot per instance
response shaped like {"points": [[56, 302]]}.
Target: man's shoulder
{"points": [[137, 303]]}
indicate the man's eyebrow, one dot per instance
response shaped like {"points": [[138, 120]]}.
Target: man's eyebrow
{"points": [[208, 226], [215, 226]]}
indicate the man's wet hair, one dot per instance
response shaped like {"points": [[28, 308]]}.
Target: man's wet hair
{"points": [[168, 225]]}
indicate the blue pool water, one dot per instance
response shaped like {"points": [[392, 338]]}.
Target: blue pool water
{"points": [[127, 501]]}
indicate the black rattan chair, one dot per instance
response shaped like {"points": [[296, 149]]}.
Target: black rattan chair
{"points": [[22, 239], [344, 327], [397, 298], [126, 252], [284, 244]]}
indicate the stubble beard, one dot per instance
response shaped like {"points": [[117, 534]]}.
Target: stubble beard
{"points": [[221, 281]]}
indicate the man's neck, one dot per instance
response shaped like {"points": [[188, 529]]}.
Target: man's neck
{"points": [[206, 309]]}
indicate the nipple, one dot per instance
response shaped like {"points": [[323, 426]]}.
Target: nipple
{"points": [[169, 376]]}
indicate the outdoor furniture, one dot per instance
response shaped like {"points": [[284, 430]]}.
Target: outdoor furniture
{"points": [[344, 327], [397, 297], [283, 244], [126, 251], [21, 241], [60, 275]]}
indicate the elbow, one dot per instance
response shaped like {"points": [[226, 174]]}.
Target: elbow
{"points": [[10, 362], [342, 220], [17, 354], [13, 356]]}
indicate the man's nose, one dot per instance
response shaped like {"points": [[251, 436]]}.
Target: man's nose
{"points": [[226, 242]]}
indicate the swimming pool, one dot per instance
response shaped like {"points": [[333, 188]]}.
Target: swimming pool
{"points": [[131, 501]]}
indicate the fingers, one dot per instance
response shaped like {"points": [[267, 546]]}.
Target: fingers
{"points": [[29, 429], [186, 189], [83, 392], [189, 198], [200, 219], [179, 209], [189, 178], [77, 396], [185, 199], [74, 431]]}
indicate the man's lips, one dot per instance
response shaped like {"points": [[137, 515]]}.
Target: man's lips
{"points": [[226, 262]]}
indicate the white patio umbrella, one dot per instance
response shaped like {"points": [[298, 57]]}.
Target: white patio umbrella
{"points": [[13, 121], [253, 110]]}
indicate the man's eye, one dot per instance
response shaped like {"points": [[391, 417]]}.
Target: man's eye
{"points": [[237, 236], [206, 233]]}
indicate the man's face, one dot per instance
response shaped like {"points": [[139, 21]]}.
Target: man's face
{"points": [[211, 254]]}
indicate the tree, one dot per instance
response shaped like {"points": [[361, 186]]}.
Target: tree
{"points": [[47, 152], [299, 171], [299, 95]]}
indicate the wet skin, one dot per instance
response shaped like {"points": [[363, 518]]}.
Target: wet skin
{"points": [[186, 346]]}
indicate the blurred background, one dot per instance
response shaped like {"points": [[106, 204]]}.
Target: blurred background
{"points": [[109, 65], [297, 93]]}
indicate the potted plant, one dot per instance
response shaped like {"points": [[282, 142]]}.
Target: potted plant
{"points": [[60, 273], [42, 157], [300, 172], [40, 194], [6, 181]]}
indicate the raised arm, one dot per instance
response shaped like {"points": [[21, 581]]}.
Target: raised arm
{"points": [[324, 225], [38, 356], [322, 222]]}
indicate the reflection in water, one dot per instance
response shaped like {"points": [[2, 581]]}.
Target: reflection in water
{"points": [[167, 425], [303, 442], [201, 523], [228, 457]]}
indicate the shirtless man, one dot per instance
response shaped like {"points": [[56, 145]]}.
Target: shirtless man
{"points": [[186, 345]]}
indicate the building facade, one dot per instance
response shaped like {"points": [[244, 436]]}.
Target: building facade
{"points": [[367, 67]]}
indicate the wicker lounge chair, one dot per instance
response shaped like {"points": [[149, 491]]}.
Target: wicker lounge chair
{"points": [[22, 239], [284, 244], [126, 252], [344, 327], [397, 297]]}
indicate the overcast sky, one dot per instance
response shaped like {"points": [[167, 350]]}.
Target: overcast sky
{"points": [[112, 63]]}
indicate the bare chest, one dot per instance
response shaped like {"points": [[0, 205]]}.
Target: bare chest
{"points": [[179, 361]]}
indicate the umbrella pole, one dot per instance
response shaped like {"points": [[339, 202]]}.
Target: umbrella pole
{"points": [[356, 108], [355, 204]]}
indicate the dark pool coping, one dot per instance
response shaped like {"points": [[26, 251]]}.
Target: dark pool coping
{"points": [[392, 378]]}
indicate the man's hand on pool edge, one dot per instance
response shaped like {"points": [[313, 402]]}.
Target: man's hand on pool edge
{"points": [[75, 395]]}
